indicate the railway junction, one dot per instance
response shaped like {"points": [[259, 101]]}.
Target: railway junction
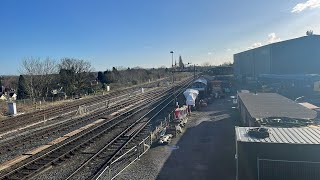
{"points": [[114, 130]]}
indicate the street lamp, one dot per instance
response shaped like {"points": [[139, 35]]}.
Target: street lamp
{"points": [[172, 59], [174, 88]]}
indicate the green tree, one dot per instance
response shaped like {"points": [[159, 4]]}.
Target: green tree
{"points": [[102, 77], [181, 65], [22, 88], [109, 77], [75, 75]]}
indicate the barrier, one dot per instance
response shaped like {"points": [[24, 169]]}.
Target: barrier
{"points": [[181, 113]]}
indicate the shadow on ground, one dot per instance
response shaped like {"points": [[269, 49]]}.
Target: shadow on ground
{"points": [[205, 151]]}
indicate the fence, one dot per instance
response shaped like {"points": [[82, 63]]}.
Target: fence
{"points": [[283, 169], [118, 165]]}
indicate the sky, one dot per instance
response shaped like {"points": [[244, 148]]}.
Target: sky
{"points": [[142, 33]]}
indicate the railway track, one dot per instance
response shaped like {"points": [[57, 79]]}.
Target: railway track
{"points": [[112, 128], [15, 143], [29, 118], [99, 162]]}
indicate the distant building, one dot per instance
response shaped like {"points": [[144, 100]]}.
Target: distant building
{"points": [[294, 56]]}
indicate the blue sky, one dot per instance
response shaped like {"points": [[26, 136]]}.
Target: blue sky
{"points": [[143, 32]]}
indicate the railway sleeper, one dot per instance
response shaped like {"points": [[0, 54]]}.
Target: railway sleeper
{"points": [[117, 143], [103, 156], [26, 171], [16, 176], [35, 166]]}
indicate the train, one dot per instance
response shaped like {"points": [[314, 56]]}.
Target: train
{"points": [[201, 85]]}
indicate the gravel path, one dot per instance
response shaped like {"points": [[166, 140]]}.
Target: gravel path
{"points": [[204, 151]]}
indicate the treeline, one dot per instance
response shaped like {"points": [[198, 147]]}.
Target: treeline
{"points": [[130, 76], [47, 77], [68, 77]]}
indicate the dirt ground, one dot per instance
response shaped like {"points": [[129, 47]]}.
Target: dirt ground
{"points": [[204, 151]]}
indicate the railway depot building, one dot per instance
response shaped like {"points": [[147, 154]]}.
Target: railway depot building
{"points": [[301, 54], [272, 109], [286, 154]]}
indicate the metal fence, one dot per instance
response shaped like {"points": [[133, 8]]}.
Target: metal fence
{"points": [[118, 165], [269, 169]]}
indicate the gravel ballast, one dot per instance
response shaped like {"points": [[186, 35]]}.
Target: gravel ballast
{"points": [[205, 150]]}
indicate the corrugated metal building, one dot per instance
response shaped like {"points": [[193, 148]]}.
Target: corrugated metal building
{"points": [[302, 55], [288, 153], [255, 109]]}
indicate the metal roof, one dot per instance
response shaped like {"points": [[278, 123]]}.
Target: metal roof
{"points": [[282, 135], [314, 36], [267, 105], [201, 80]]}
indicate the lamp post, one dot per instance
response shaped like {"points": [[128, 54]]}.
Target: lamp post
{"points": [[174, 88], [172, 59]]}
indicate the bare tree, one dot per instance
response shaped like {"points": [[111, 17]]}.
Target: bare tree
{"points": [[39, 75]]}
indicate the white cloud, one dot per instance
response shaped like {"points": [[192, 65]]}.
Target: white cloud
{"points": [[209, 53], [310, 4], [228, 49], [272, 38], [255, 45]]}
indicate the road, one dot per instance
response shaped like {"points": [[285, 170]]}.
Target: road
{"points": [[204, 151]]}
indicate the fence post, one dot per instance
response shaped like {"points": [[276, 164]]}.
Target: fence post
{"points": [[258, 168]]}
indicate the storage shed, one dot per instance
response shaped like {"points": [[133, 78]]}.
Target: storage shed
{"points": [[288, 153], [258, 109]]}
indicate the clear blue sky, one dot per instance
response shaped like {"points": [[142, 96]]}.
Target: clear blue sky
{"points": [[142, 32]]}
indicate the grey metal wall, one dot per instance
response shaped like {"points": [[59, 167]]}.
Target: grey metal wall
{"points": [[296, 56], [243, 64], [248, 152]]}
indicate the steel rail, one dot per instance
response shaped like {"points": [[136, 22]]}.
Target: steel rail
{"points": [[11, 123], [60, 155], [116, 153]]}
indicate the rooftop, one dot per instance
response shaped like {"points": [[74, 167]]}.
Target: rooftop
{"points": [[282, 135], [268, 105], [314, 36]]}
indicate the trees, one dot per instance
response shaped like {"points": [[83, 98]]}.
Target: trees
{"points": [[75, 75], [22, 92], [181, 65], [102, 77], [38, 75], [109, 76]]}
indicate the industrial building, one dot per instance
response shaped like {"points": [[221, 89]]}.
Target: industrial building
{"points": [[295, 56], [287, 153], [272, 109]]}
